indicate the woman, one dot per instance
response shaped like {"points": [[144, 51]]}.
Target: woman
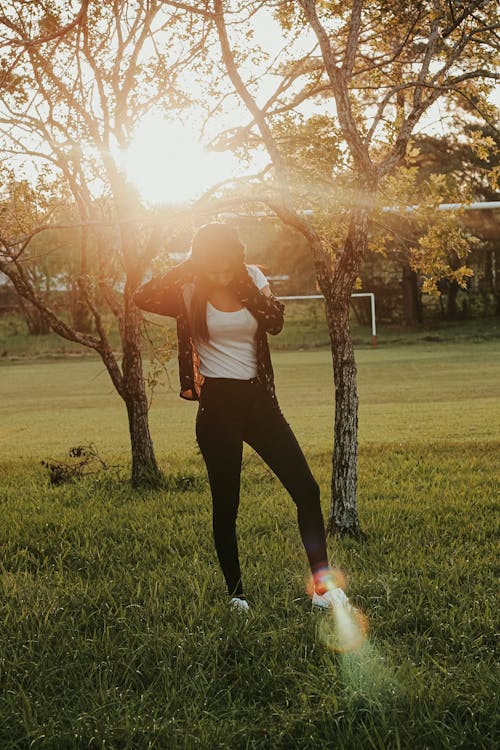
{"points": [[224, 310]]}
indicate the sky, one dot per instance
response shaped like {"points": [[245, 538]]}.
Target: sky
{"points": [[193, 166], [167, 162]]}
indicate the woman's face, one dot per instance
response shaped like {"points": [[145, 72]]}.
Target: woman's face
{"points": [[220, 273]]}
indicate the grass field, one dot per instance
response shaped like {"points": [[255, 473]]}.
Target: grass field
{"points": [[115, 631]]}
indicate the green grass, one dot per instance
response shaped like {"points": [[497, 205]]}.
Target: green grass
{"points": [[305, 328], [419, 393], [114, 627]]}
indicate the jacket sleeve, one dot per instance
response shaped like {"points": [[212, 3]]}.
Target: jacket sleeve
{"points": [[268, 311], [163, 294]]}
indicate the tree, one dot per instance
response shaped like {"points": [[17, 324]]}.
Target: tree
{"points": [[74, 82], [445, 167], [373, 70], [50, 260], [472, 168]]}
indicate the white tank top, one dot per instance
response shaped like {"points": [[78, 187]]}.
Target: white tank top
{"points": [[230, 351]]}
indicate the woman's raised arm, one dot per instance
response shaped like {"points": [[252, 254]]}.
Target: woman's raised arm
{"points": [[268, 310], [163, 294]]}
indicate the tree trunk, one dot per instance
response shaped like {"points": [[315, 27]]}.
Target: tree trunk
{"points": [[343, 517], [81, 316], [37, 324], [412, 305], [144, 466], [493, 276], [451, 300]]}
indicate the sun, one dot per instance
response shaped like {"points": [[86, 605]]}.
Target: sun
{"points": [[168, 164]]}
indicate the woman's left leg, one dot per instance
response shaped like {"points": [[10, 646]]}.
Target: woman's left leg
{"points": [[221, 445], [270, 435]]}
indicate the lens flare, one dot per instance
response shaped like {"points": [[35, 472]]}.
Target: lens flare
{"points": [[343, 629], [369, 678], [324, 579]]}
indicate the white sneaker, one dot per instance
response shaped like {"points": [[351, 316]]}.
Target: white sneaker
{"points": [[239, 605], [332, 598]]}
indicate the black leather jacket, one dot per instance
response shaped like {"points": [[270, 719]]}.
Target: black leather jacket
{"points": [[164, 295]]}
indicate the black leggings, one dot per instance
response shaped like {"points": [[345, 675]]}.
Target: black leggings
{"points": [[233, 411]]}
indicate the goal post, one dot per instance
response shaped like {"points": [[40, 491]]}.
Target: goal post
{"points": [[357, 294]]}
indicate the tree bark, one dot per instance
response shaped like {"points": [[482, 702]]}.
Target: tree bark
{"points": [[412, 306], [343, 517], [36, 322], [144, 466], [81, 316], [451, 300], [493, 275], [129, 383]]}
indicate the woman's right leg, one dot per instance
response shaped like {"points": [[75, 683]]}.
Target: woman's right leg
{"points": [[221, 447], [272, 438]]}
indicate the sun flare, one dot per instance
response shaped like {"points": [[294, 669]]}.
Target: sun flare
{"points": [[168, 164]]}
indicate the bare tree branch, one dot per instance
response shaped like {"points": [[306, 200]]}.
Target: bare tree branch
{"points": [[352, 37], [57, 34], [457, 20], [248, 99], [338, 80], [25, 288], [190, 8], [424, 68]]}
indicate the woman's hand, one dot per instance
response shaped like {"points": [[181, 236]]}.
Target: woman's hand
{"points": [[243, 283], [163, 294]]}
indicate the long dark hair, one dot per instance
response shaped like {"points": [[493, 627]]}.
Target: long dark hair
{"points": [[211, 242]]}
